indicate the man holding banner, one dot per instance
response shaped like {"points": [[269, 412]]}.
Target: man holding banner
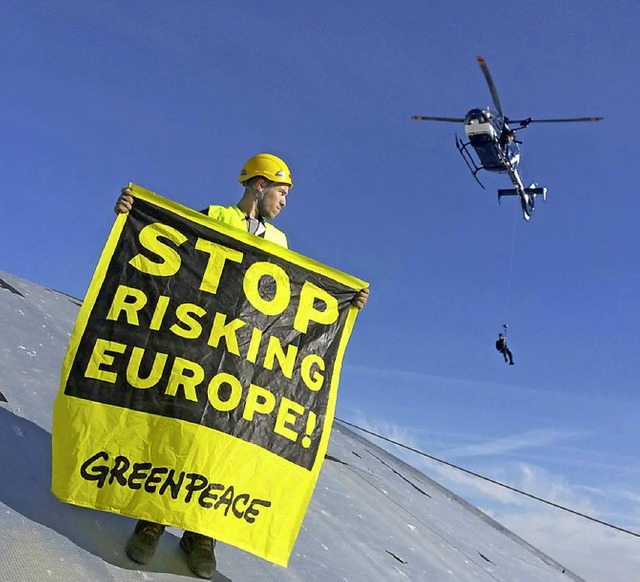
{"points": [[267, 181]]}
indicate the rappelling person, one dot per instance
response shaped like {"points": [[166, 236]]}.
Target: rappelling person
{"points": [[501, 346]]}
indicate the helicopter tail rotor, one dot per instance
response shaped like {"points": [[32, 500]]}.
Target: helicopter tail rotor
{"points": [[533, 189]]}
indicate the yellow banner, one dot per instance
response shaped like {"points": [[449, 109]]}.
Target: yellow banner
{"points": [[200, 382]]}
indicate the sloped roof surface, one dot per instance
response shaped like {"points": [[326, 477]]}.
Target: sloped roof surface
{"points": [[372, 516]]}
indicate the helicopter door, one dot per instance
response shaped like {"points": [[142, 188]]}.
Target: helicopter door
{"points": [[480, 127], [488, 151]]}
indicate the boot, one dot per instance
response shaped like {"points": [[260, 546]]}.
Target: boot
{"points": [[143, 542], [200, 557]]}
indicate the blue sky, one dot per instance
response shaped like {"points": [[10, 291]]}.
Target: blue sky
{"points": [[176, 96]]}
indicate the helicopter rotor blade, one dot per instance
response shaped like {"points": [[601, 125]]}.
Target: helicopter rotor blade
{"points": [[526, 122], [447, 119], [492, 87]]}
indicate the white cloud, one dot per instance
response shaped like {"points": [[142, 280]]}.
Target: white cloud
{"points": [[589, 549], [523, 441], [392, 431]]}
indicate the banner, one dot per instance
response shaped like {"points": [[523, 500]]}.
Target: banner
{"points": [[200, 382]]}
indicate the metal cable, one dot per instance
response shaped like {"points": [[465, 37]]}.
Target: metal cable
{"points": [[515, 490]]}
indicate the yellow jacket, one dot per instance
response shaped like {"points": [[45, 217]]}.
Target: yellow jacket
{"points": [[233, 216]]}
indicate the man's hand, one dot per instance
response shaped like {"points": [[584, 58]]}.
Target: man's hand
{"points": [[360, 300], [125, 202]]}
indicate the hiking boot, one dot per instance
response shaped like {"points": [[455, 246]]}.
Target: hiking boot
{"points": [[143, 542], [200, 557]]}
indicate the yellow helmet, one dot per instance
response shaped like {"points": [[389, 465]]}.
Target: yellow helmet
{"points": [[267, 165]]}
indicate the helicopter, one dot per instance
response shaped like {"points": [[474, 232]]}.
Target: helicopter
{"points": [[492, 137]]}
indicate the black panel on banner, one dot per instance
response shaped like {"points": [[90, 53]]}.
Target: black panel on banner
{"points": [[195, 381]]}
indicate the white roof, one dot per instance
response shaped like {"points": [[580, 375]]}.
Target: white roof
{"points": [[372, 516]]}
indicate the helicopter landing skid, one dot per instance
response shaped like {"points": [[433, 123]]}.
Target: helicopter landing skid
{"points": [[468, 159]]}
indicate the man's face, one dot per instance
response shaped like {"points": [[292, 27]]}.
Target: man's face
{"points": [[274, 199]]}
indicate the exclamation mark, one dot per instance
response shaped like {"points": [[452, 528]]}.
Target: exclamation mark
{"points": [[311, 425]]}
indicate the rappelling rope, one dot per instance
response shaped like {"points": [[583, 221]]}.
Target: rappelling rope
{"points": [[507, 301]]}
